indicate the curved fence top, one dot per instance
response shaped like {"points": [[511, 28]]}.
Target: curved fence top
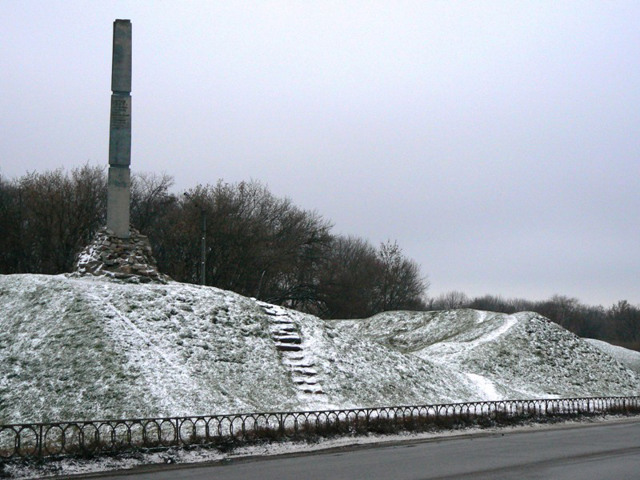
{"points": [[327, 411]]}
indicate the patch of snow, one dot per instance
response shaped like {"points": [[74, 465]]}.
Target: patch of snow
{"points": [[485, 386], [629, 358]]}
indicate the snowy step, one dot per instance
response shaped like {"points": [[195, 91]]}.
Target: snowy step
{"points": [[295, 357], [317, 391], [308, 372], [298, 359], [300, 364], [283, 327], [304, 383], [284, 333], [286, 336], [275, 314], [277, 336], [281, 331], [284, 347], [288, 339], [282, 321]]}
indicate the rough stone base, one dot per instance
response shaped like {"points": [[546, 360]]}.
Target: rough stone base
{"points": [[128, 259]]}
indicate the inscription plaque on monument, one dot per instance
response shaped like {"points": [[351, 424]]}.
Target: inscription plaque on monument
{"points": [[120, 128], [120, 112]]}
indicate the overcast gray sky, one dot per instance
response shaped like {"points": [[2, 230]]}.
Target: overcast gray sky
{"points": [[497, 141]]}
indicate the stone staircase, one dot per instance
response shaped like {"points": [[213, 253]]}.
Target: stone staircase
{"points": [[286, 335]]}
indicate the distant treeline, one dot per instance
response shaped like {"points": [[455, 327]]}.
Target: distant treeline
{"points": [[618, 324], [258, 245]]}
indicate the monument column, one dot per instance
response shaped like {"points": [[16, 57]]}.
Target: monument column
{"points": [[119, 183], [119, 251]]}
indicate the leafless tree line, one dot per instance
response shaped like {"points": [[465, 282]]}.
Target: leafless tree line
{"points": [[618, 324], [258, 245]]}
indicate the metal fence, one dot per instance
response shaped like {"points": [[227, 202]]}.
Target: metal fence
{"points": [[39, 440]]}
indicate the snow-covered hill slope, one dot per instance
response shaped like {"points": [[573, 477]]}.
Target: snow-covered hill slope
{"points": [[78, 348], [508, 356], [629, 358]]}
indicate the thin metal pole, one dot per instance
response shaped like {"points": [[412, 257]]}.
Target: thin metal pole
{"points": [[203, 253], [203, 239]]}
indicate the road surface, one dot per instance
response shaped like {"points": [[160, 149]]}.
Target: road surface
{"points": [[586, 452]]}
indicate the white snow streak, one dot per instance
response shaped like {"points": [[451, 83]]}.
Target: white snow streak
{"points": [[485, 386]]}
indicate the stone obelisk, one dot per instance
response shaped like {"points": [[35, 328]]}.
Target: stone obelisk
{"points": [[118, 251], [118, 193]]}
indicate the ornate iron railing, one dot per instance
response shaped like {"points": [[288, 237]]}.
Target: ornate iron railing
{"points": [[38, 440]]}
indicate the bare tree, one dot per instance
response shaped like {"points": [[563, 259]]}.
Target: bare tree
{"points": [[257, 244], [625, 321], [150, 199], [348, 281], [12, 255], [359, 281], [450, 300], [400, 285], [54, 215]]}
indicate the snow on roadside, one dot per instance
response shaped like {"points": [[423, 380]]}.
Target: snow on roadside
{"points": [[194, 456]]}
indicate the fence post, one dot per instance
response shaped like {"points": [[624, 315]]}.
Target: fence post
{"points": [[40, 440]]}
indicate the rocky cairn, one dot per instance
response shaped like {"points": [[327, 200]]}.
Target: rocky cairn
{"points": [[129, 259]]}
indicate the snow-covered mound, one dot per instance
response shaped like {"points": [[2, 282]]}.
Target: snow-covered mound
{"points": [[629, 358], [78, 348], [87, 348], [507, 356]]}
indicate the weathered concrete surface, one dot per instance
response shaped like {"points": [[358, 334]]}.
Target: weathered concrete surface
{"points": [[118, 195], [118, 198], [121, 60]]}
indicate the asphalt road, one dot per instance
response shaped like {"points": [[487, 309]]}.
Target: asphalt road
{"points": [[608, 451]]}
